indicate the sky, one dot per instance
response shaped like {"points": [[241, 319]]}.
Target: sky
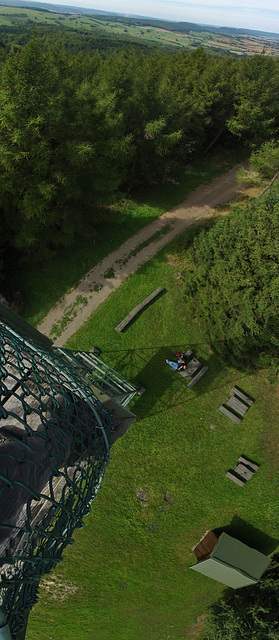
{"points": [[262, 15]]}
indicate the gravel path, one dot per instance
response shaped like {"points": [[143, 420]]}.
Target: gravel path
{"points": [[199, 204]]}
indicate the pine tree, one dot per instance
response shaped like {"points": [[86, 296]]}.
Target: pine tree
{"points": [[232, 285]]}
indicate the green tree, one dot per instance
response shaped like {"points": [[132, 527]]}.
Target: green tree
{"points": [[198, 90], [62, 150], [264, 165], [136, 81], [256, 102], [266, 159], [250, 613], [232, 283]]}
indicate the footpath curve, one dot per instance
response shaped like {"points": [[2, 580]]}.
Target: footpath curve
{"points": [[199, 204]]}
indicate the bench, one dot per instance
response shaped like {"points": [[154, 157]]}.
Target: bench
{"points": [[229, 413], [242, 396], [197, 377], [137, 309], [188, 353], [244, 469], [248, 463], [230, 474]]}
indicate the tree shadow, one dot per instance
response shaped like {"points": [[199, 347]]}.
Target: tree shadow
{"points": [[250, 535]]}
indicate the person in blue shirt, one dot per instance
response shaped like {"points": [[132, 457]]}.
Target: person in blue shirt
{"points": [[180, 365]]}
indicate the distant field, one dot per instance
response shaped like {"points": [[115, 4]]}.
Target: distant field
{"points": [[152, 32]]}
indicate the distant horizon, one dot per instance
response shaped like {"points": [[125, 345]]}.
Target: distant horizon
{"points": [[211, 13]]}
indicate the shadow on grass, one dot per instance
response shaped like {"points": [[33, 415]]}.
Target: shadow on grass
{"points": [[147, 367], [246, 533], [59, 269]]}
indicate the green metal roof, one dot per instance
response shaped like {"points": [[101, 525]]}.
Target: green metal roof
{"points": [[233, 563]]}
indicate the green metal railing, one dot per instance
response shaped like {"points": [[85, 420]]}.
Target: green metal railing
{"points": [[101, 375], [55, 438]]}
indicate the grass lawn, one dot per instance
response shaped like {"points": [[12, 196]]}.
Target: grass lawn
{"points": [[44, 283], [127, 576]]}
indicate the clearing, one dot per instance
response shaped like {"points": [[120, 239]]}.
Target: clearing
{"points": [[79, 303]]}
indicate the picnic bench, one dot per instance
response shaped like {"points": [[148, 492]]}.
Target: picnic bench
{"points": [[229, 413], [197, 377], [137, 309], [243, 471], [194, 370], [241, 395], [238, 403]]}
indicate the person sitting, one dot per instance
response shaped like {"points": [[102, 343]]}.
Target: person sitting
{"points": [[181, 365], [182, 356], [177, 366]]}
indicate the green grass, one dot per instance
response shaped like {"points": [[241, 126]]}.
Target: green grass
{"points": [[45, 283], [130, 563]]}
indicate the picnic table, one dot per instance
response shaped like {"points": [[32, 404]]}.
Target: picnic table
{"points": [[194, 369], [243, 471], [237, 405]]}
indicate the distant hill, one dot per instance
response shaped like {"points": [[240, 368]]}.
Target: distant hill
{"points": [[57, 8], [92, 30], [178, 27]]}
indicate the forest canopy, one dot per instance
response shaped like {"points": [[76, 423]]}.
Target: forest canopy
{"points": [[232, 281], [75, 129]]}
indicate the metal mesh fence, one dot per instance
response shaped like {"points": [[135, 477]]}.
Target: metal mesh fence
{"points": [[55, 437]]}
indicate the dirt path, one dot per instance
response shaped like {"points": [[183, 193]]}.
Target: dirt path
{"points": [[79, 303]]}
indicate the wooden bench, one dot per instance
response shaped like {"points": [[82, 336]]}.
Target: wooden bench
{"points": [[244, 469], [242, 396], [188, 353], [137, 309], [230, 474], [248, 463], [197, 377], [229, 413]]}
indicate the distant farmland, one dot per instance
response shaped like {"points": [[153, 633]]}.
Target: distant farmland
{"points": [[150, 32]]}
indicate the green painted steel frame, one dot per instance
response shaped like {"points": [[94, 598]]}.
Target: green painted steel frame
{"points": [[29, 374]]}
